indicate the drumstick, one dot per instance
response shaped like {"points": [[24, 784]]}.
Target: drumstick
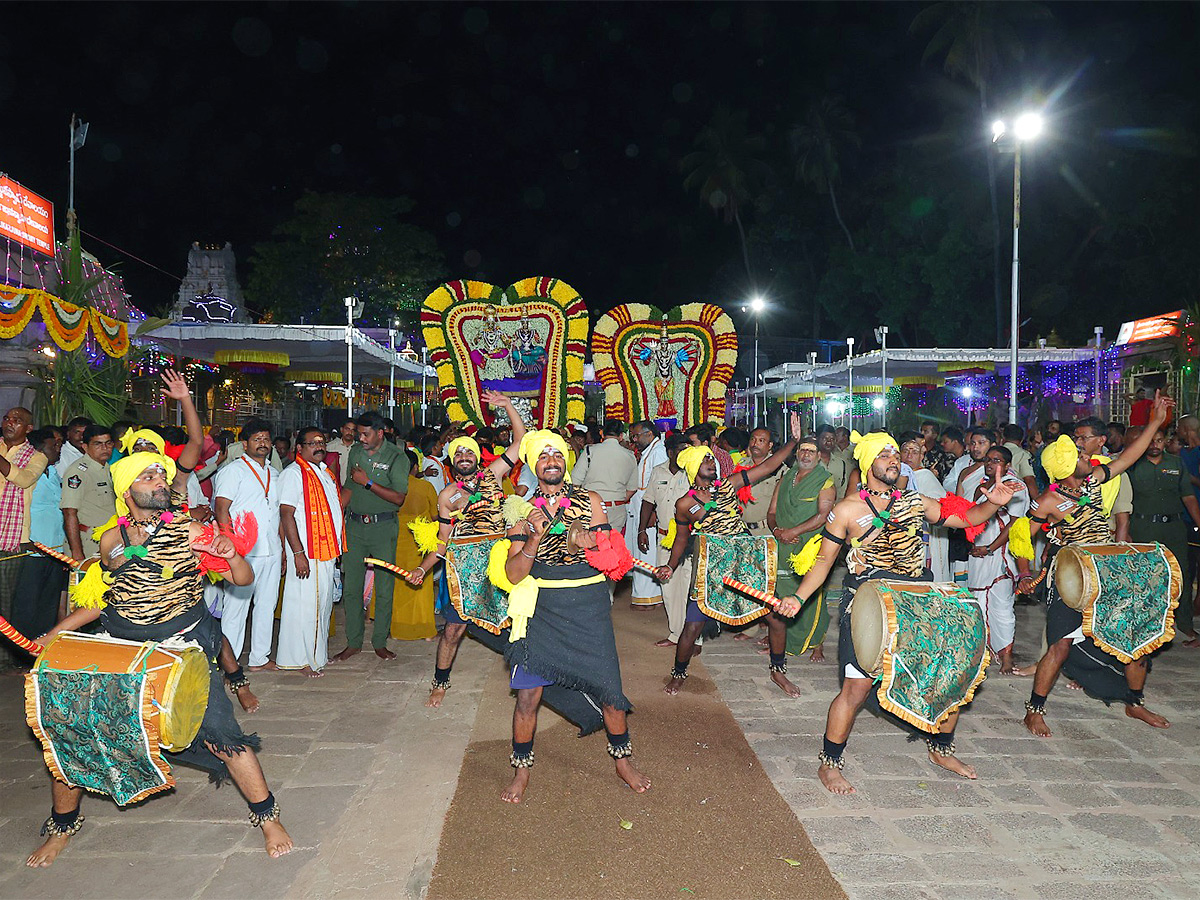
{"points": [[54, 554], [19, 639], [761, 596], [645, 568], [391, 567]]}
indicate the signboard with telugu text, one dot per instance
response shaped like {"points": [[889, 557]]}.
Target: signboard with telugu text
{"points": [[1153, 329], [25, 217]]}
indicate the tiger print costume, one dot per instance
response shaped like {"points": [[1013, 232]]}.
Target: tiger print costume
{"points": [[484, 520], [896, 545]]}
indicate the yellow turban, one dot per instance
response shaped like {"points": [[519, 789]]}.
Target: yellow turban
{"points": [[132, 436], [1061, 458], [126, 470], [535, 443], [690, 458], [463, 443], [868, 446]]}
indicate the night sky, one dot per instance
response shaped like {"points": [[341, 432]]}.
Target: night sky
{"points": [[533, 138]]}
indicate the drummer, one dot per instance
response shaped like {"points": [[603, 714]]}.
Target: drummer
{"points": [[1071, 512], [711, 507], [882, 526], [469, 506], [154, 592]]}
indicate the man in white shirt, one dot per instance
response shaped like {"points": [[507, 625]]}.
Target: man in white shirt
{"points": [[72, 448], [954, 445], [979, 442], [249, 484], [1022, 460], [667, 483], [312, 528], [646, 591], [340, 447], [610, 470]]}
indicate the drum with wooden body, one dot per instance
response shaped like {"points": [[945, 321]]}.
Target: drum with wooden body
{"points": [[1126, 593], [925, 643], [177, 679]]}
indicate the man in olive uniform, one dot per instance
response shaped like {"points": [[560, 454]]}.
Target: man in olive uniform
{"points": [[87, 492], [373, 494], [1160, 481]]}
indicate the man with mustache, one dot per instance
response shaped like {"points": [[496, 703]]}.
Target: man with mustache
{"points": [[883, 527], [313, 544], [152, 591], [469, 509]]}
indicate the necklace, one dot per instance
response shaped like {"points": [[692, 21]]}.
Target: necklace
{"points": [[894, 493]]}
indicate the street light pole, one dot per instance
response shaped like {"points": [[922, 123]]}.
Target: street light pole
{"points": [[812, 379], [1014, 324], [424, 372], [392, 372], [850, 377], [349, 301]]}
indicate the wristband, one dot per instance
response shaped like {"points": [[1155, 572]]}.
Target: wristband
{"points": [[297, 553], [370, 484]]}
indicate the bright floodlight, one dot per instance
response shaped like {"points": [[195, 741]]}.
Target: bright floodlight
{"points": [[877, 403], [1028, 126], [833, 408], [757, 304], [998, 129], [968, 393]]}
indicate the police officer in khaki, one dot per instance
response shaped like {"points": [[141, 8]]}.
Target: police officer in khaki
{"points": [[87, 492], [374, 493]]}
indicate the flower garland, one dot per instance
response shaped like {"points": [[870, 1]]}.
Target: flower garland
{"points": [[66, 323]]}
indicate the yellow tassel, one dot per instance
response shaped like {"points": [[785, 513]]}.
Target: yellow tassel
{"points": [[1020, 539], [89, 593], [522, 603], [807, 557], [668, 540], [100, 529], [515, 509], [425, 533], [168, 572], [496, 561]]}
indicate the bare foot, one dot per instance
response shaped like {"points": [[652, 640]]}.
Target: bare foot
{"points": [[268, 666], [786, 686], [310, 672], [1152, 719], [953, 764], [44, 855], [743, 636], [673, 686], [1006, 661], [1036, 723], [1025, 671], [347, 653], [247, 699], [665, 642], [1074, 685], [1193, 642], [834, 781], [632, 777], [818, 654], [384, 653], [276, 839], [516, 789], [435, 698], [762, 641]]}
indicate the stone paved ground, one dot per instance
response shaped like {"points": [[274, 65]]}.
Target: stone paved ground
{"points": [[363, 771], [1107, 808]]}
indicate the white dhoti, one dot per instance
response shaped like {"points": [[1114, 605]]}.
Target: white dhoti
{"points": [[992, 579], [646, 591], [304, 622], [675, 593], [264, 590], [939, 554]]}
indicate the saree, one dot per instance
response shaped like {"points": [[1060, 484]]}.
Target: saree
{"points": [[796, 503]]}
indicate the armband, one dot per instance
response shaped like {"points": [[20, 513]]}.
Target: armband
{"points": [[841, 542], [746, 477], [445, 521], [184, 469], [504, 456], [1107, 471], [603, 526], [518, 537]]}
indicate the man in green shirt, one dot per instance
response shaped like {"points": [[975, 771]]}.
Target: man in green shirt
{"points": [[1160, 482], [373, 494]]}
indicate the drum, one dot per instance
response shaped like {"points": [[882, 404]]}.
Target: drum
{"points": [[472, 593], [925, 643], [177, 679], [1127, 594], [751, 560], [105, 709]]}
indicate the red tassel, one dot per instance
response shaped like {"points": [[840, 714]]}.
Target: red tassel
{"points": [[243, 533], [954, 505], [744, 493], [610, 555]]}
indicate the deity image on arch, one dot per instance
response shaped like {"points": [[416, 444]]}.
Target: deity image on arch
{"points": [[490, 344], [528, 357], [667, 355]]}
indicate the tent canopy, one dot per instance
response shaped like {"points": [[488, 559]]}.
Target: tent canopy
{"points": [[309, 347]]}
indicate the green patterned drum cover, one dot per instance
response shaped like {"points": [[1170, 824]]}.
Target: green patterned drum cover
{"points": [[936, 652], [746, 558], [1127, 594], [471, 591], [93, 731]]}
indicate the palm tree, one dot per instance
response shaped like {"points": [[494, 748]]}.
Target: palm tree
{"points": [[817, 144], [726, 169], [973, 39]]}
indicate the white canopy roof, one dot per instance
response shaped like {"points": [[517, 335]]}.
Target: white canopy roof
{"points": [[319, 348], [868, 368]]}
